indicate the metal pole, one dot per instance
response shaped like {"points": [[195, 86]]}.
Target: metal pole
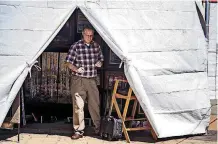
{"points": [[18, 133], [22, 106], [22, 111], [207, 18], [18, 130]]}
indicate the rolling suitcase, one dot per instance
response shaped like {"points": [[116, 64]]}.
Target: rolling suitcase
{"points": [[111, 128]]}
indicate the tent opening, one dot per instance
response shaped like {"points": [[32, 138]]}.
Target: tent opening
{"points": [[47, 97], [168, 75]]}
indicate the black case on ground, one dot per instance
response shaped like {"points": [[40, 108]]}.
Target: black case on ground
{"points": [[111, 128]]}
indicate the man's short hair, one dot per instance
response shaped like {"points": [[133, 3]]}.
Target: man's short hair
{"points": [[88, 27]]}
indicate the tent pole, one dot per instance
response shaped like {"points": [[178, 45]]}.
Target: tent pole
{"points": [[207, 18], [18, 130], [18, 133], [22, 106], [22, 111]]}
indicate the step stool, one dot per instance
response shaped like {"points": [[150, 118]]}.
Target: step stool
{"points": [[123, 117]]}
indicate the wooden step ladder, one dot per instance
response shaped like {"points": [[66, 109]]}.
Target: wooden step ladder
{"points": [[128, 98]]}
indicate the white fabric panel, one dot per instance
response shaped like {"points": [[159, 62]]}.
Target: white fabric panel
{"points": [[214, 42], [30, 18], [8, 74], [162, 5], [167, 75], [17, 43], [173, 83], [144, 19], [152, 40], [160, 101], [212, 94], [212, 55], [118, 22], [211, 70], [9, 98], [212, 58], [37, 4], [12, 3], [213, 33], [156, 65], [61, 4], [17, 63], [144, 5], [159, 63], [211, 84], [212, 46], [193, 122], [213, 24], [26, 30]]}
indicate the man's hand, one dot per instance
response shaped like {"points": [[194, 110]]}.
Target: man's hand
{"points": [[80, 70], [70, 66], [98, 64]]}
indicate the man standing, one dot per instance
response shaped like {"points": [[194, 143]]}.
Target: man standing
{"points": [[84, 57]]}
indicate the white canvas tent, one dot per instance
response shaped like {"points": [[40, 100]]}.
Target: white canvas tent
{"points": [[212, 52], [161, 44]]}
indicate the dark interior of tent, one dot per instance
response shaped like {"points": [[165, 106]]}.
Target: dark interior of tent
{"points": [[47, 97]]}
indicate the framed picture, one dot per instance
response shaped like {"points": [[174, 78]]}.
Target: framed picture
{"points": [[111, 76], [140, 111], [82, 22], [113, 58], [64, 36], [98, 79]]}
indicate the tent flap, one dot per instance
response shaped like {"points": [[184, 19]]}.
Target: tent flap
{"points": [[27, 30], [165, 57]]}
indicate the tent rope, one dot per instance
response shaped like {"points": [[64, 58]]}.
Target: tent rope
{"points": [[124, 60], [33, 64]]}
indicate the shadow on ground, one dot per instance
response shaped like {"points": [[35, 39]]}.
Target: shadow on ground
{"points": [[5, 134], [63, 129]]}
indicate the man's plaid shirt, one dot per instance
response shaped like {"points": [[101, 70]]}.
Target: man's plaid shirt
{"points": [[80, 55]]}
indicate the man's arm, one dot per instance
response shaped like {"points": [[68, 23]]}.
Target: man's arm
{"points": [[100, 55], [71, 58], [100, 58], [71, 66]]}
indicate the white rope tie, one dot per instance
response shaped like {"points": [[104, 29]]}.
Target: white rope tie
{"points": [[124, 60], [33, 64], [121, 63]]}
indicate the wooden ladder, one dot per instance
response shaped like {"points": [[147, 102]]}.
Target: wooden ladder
{"points": [[128, 98]]}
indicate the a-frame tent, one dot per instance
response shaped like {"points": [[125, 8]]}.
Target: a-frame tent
{"points": [[161, 44]]}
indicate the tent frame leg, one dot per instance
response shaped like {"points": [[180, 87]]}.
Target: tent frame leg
{"points": [[18, 129], [18, 133]]}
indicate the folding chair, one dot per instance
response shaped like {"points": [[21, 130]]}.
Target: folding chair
{"points": [[123, 117]]}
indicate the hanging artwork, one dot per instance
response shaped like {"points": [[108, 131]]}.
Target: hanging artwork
{"points": [[82, 22], [64, 95], [111, 76], [64, 36], [42, 85], [113, 58], [49, 77], [98, 79]]}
